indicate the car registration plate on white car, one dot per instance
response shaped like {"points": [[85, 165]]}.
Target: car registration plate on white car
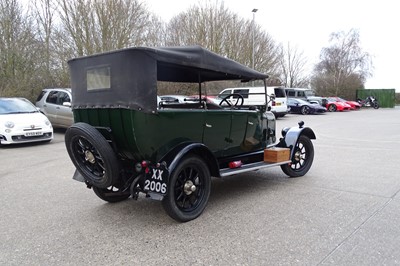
{"points": [[33, 133]]}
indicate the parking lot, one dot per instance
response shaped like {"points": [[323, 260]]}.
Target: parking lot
{"points": [[343, 212]]}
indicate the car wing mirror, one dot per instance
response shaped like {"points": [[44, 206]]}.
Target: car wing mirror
{"points": [[68, 104]]}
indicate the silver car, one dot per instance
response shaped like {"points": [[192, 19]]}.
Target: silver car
{"points": [[55, 103]]}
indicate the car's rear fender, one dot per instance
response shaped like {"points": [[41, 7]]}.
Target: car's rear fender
{"points": [[291, 135], [173, 157]]}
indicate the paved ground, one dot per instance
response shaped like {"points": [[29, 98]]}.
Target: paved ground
{"points": [[343, 212]]}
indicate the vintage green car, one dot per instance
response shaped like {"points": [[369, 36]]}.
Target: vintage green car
{"points": [[124, 142]]}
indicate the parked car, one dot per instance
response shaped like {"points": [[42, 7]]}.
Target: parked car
{"points": [[207, 99], [173, 98], [123, 144], [303, 93], [332, 105], [21, 121], [353, 104], [300, 106], [256, 96], [55, 103]]}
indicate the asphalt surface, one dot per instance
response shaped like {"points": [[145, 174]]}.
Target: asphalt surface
{"points": [[345, 211]]}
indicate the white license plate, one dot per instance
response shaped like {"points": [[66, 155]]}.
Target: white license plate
{"points": [[34, 133]]}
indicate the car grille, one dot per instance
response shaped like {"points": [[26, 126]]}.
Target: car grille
{"points": [[30, 129], [25, 138]]}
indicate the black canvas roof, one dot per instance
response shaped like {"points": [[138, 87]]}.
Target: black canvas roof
{"points": [[134, 73]]}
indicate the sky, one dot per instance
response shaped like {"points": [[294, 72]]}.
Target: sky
{"points": [[307, 25]]}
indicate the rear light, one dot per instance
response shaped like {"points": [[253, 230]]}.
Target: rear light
{"points": [[273, 103], [235, 164]]}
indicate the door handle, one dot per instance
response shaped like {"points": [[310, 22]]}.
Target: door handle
{"points": [[250, 123], [209, 126]]}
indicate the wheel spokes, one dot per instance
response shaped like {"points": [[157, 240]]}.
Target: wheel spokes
{"points": [[188, 197], [300, 157]]}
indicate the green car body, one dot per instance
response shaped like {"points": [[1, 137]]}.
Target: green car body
{"points": [[147, 136]]}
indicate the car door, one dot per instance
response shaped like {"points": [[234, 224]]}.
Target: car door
{"points": [[241, 130], [64, 112], [50, 106], [253, 136], [216, 131]]}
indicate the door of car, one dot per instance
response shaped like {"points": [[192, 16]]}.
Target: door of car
{"points": [[253, 138], [231, 132], [50, 106], [64, 112], [217, 130]]}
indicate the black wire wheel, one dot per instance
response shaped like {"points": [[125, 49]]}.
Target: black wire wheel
{"points": [[111, 194], [305, 110], [189, 189], [92, 155], [302, 159], [332, 108]]}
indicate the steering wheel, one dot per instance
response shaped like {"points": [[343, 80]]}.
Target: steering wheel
{"points": [[239, 98]]}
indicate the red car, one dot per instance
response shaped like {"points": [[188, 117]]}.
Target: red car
{"points": [[353, 104], [332, 105]]}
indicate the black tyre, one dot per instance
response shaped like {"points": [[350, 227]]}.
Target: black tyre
{"points": [[92, 155], [305, 110], [302, 159], [375, 105], [332, 108], [111, 194], [189, 189]]}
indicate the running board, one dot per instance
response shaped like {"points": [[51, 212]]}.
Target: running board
{"points": [[249, 167]]}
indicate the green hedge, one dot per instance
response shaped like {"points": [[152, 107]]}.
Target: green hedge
{"points": [[385, 97]]}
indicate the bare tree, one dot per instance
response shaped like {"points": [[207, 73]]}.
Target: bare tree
{"points": [[18, 61], [216, 28], [94, 26], [293, 64], [344, 66]]}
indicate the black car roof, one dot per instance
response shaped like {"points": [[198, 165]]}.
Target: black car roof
{"points": [[134, 73]]}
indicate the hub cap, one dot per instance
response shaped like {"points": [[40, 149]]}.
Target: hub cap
{"points": [[89, 157], [189, 187], [297, 156]]}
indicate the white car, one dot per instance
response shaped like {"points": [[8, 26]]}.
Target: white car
{"points": [[21, 121]]}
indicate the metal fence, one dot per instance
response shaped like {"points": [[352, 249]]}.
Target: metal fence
{"points": [[385, 97]]}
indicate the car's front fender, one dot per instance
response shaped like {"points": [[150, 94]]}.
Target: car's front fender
{"points": [[291, 135]]}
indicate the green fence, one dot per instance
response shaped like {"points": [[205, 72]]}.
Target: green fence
{"points": [[385, 97]]}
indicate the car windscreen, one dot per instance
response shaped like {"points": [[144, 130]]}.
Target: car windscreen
{"points": [[16, 106]]}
